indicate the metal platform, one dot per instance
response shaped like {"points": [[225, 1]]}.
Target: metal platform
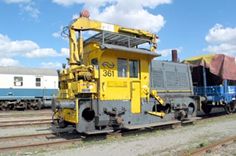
{"points": [[98, 132], [130, 127], [126, 49], [190, 120], [106, 37]]}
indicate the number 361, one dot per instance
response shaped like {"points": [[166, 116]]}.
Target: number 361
{"points": [[108, 73]]}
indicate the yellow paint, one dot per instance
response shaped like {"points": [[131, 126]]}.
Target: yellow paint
{"points": [[82, 24], [158, 114], [81, 86], [174, 91], [135, 97], [102, 81], [157, 97], [77, 111], [69, 115], [203, 60], [117, 84], [121, 86]]}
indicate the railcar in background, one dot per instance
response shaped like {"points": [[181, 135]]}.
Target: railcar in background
{"points": [[27, 88], [214, 79]]}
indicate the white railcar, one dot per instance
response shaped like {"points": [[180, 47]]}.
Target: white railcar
{"points": [[22, 88]]}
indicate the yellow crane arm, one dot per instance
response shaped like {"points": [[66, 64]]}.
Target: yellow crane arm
{"points": [[85, 24]]}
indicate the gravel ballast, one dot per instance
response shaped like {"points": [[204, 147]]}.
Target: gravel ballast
{"points": [[159, 142]]}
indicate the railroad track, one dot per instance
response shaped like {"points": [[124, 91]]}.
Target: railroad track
{"points": [[9, 143], [25, 114], [212, 147], [40, 140], [28, 122], [61, 138]]}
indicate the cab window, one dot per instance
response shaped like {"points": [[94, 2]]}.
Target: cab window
{"points": [[122, 67], [133, 68]]}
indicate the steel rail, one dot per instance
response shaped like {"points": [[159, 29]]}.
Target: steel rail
{"points": [[76, 139], [211, 147], [26, 136], [51, 143], [32, 123], [28, 120], [24, 115]]}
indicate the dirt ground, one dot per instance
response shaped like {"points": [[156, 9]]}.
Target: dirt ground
{"points": [[158, 142], [145, 143], [227, 150]]}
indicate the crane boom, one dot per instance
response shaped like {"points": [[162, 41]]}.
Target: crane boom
{"points": [[84, 24]]}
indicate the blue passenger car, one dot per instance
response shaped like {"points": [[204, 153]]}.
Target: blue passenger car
{"points": [[27, 88]]}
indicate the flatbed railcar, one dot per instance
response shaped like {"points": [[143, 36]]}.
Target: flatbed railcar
{"points": [[214, 79], [27, 88], [112, 83]]}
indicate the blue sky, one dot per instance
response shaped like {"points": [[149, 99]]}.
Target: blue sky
{"points": [[30, 29]]}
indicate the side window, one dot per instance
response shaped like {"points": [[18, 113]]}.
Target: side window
{"points": [[133, 68], [18, 81], [38, 81], [122, 67]]}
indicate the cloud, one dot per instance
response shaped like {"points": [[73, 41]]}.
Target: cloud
{"points": [[223, 48], [93, 3], [47, 52], [44, 52], [54, 65], [16, 1], [219, 34], [30, 9], [27, 48], [12, 48], [9, 62], [221, 39], [59, 34], [26, 6], [134, 14], [167, 52], [65, 52]]}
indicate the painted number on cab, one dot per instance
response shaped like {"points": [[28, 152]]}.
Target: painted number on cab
{"points": [[108, 73]]}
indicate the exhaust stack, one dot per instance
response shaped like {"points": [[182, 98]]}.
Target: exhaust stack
{"points": [[174, 55]]}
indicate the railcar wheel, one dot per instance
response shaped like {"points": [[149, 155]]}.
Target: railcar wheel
{"points": [[180, 115], [35, 105], [88, 114], [230, 108], [191, 109], [206, 108], [3, 107], [29, 106], [6, 106], [38, 106]]}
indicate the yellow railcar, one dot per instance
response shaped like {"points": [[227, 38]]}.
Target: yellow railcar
{"points": [[108, 84]]}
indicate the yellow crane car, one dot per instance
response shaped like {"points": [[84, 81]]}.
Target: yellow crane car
{"points": [[107, 85]]}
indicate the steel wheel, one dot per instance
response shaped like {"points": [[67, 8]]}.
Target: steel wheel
{"points": [[206, 108], [230, 108]]}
